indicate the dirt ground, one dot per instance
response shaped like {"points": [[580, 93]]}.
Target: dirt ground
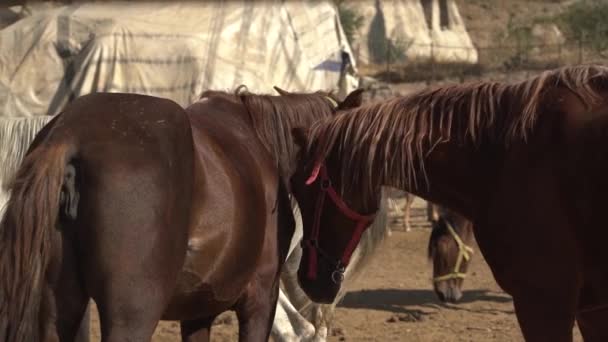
{"points": [[394, 300]]}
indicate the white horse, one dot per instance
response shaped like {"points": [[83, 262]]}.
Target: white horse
{"points": [[297, 318]]}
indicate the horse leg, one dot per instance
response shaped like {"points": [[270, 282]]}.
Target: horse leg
{"points": [[288, 324], [282, 328], [128, 312], [544, 285], [321, 315], [132, 291], [593, 310], [409, 200], [66, 300], [544, 318], [255, 311], [133, 250], [69, 313], [592, 324], [196, 330], [131, 273]]}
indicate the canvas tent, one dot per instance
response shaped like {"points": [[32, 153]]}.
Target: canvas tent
{"points": [[422, 29], [171, 50]]}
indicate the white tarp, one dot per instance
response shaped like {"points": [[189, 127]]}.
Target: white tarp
{"points": [[171, 50]]}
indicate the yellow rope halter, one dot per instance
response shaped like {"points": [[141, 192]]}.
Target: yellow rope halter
{"points": [[333, 102], [464, 252]]}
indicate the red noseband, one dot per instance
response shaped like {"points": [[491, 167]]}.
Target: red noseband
{"points": [[362, 221]]}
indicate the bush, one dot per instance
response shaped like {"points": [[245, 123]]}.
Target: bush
{"points": [[587, 20]]}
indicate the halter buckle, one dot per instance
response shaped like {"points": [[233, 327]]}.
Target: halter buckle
{"points": [[337, 276]]}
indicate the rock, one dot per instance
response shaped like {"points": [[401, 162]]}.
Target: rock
{"points": [[414, 316], [337, 332]]}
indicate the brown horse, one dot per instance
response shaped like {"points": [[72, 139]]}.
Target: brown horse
{"points": [[448, 247], [155, 213], [450, 252], [509, 157]]}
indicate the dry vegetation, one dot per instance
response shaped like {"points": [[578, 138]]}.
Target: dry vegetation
{"points": [[515, 36], [488, 19]]}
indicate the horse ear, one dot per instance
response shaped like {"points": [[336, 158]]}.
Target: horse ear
{"points": [[281, 91], [353, 100], [300, 136]]}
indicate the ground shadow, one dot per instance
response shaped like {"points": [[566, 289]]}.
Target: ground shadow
{"points": [[398, 300]]}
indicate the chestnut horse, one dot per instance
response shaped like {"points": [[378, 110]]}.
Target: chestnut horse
{"points": [[523, 161], [155, 212]]}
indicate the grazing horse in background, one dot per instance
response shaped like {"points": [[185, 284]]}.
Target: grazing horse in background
{"points": [[449, 249], [501, 154], [122, 194]]}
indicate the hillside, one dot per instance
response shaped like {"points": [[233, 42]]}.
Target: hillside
{"points": [[488, 19]]}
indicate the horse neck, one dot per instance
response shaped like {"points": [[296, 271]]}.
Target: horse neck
{"points": [[455, 176]]}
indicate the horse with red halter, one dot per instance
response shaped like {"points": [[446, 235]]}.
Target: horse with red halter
{"points": [[523, 161], [155, 212], [298, 318]]}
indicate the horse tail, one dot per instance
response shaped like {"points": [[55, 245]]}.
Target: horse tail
{"points": [[26, 238]]}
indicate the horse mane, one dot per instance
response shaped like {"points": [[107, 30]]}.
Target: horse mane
{"points": [[390, 140], [274, 117]]}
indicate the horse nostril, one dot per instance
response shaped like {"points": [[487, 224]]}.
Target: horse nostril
{"points": [[457, 296], [454, 294]]}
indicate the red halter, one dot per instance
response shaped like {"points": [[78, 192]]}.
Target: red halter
{"points": [[363, 222]]}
